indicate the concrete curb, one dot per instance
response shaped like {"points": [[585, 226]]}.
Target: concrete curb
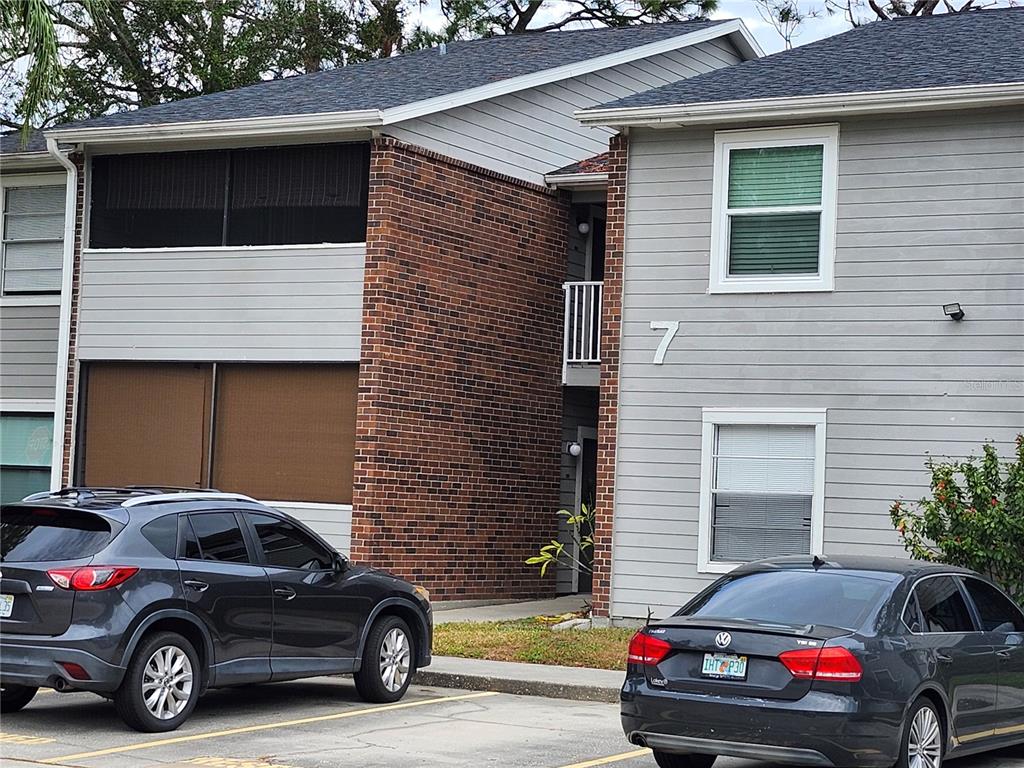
{"points": [[573, 683]]}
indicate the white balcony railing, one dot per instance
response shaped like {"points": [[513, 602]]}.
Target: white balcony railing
{"points": [[582, 345]]}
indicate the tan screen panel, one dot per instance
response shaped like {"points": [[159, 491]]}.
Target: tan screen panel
{"points": [[286, 432], [146, 424]]}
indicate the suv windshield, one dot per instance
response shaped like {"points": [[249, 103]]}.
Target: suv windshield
{"points": [[825, 598], [37, 535]]}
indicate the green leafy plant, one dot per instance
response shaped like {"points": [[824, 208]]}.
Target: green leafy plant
{"points": [[574, 552], [974, 517]]}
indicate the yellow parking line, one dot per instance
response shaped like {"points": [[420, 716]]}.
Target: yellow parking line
{"points": [[610, 759], [17, 738], [267, 726]]}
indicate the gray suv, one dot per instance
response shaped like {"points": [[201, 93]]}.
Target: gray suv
{"points": [[149, 596]]}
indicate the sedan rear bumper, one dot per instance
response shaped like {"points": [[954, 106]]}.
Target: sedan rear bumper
{"points": [[821, 729], [39, 666], [690, 745]]}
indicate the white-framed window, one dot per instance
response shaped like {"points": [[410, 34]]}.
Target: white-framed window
{"points": [[762, 488], [32, 233], [773, 210], [26, 448]]}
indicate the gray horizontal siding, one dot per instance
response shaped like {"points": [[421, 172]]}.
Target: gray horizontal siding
{"points": [[533, 132], [332, 522], [292, 303], [930, 211], [28, 352]]}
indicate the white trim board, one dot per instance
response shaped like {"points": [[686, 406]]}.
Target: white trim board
{"points": [[817, 106], [26, 406], [334, 122], [712, 418]]}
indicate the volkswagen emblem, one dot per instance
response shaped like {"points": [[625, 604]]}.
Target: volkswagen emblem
{"points": [[722, 639]]}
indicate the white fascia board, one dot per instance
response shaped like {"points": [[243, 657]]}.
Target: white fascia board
{"points": [[29, 161], [796, 107], [576, 180], [733, 28], [206, 130]]}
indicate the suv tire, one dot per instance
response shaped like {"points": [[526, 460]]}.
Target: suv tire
{"points": [[15, 697], [387, 661], [161, 685]]}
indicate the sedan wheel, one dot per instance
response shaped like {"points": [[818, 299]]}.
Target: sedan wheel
{"points": [[923, 740]]}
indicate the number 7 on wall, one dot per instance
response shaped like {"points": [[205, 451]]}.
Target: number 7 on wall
{"points": [[670, 327]]}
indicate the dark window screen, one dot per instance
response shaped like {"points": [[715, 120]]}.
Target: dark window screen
{"points": [[843, 600], [219, 537], [943, 606], [38, 535], [997, 613], [274, 196], [157, 200], [289, 547]]}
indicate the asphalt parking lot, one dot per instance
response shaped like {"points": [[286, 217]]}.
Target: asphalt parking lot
{"points": [[321, 722]]}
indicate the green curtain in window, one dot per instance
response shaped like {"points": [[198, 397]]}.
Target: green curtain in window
{"points": [[774, 244], [773, 176]]}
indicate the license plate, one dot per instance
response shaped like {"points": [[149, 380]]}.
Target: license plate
{"points": [[6, 605], [724, 666]]}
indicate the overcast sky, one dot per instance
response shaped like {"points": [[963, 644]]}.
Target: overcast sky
{"points": [[813, 29]]}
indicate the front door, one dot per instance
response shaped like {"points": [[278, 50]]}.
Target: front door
{"points": [[318, 611], [1003, 624], [586, 493], [229, 593]]}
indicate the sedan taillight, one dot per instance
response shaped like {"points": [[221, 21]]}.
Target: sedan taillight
{"points": [[829, 664], [91, 578], [644, 649]]}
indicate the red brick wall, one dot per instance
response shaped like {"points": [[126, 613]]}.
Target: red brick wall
{"points": [[608, 403], [459, 419], [68, 417]]}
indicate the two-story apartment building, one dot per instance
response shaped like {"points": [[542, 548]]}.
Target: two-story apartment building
{"points": [[788, 241], [342, 293], [33, 230]]}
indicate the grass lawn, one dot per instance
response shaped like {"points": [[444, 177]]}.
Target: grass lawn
{"points": [[533, 641]]}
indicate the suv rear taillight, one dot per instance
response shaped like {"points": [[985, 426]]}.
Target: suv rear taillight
{"points": [[91, 578], [644, 649], [829, 664]]}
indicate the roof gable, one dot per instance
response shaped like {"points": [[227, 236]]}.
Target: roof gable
{"points": [[407, 86]]}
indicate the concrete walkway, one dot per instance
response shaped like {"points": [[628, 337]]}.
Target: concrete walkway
{"points": [[458, 610]]}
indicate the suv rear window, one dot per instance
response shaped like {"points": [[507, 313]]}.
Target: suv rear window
{"points": [[38, 535], [825, 598]]}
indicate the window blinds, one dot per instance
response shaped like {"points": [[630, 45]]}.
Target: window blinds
{"points": [[763, 488], [765, 237], [33, 244]]}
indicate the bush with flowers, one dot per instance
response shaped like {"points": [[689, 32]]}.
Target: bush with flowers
{"points": [[974, 517]]}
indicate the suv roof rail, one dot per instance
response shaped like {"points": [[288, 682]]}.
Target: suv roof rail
{"points": [[74, 490], [159, 498]]}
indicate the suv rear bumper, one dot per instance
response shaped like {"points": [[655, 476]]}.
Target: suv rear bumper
{"points": [[39, 666]]}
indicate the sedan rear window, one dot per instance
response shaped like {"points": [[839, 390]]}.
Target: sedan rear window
{"points": [[824, 598], [38, 535]]}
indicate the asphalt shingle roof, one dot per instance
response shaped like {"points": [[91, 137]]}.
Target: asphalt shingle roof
{"points": [[10, 143], [973, 48], [596, 164], [401, 80]]}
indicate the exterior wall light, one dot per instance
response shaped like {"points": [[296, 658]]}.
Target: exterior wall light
{"points": [[583, 227], [953, 311], [573, 449]]}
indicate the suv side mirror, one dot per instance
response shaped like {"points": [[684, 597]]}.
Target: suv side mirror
{"points": [[340, 563]]}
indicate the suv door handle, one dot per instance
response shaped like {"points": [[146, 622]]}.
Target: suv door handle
{"points": [[198, 586], [286, 592], [945, 658], [1005, 653]]}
